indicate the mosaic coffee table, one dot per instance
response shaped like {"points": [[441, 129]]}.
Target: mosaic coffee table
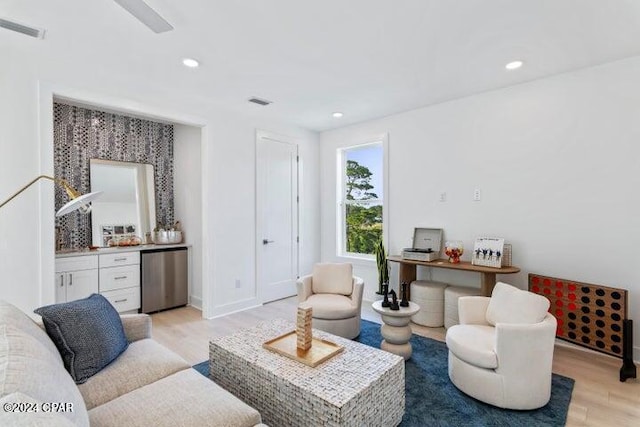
{"points": [[361, 386]]}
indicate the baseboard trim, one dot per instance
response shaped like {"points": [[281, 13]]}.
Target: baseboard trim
{"points": [[234, 307], [371, 296], [569, 344], [195, 302]]}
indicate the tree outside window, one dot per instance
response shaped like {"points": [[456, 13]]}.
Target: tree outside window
{"points": [[362, 198]]}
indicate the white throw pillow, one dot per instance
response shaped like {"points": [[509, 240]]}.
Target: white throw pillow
{"points": [[509, 304], [331, 278]]}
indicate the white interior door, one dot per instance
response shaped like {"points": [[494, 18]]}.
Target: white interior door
{"points": [[277, 217]]}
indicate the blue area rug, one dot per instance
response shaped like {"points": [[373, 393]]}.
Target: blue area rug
{"points": [[432, 400]]}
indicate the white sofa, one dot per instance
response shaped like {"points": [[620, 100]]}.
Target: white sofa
{"points": [[502, 351], [147, 385]]}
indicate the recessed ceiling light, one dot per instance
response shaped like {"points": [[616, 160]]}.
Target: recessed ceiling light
{"points": [[190, 62], [337, 114], [514, 65]]}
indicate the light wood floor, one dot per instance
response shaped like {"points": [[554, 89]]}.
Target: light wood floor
{"points": [[599, 399]]}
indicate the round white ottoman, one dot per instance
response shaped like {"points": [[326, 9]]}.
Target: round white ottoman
{"points": [[451, 295], [430, 297]]}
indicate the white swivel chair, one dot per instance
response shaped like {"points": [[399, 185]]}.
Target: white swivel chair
{"points": [[502, 351], [335, 297]]}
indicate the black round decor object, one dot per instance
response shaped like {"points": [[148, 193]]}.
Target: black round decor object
{"points": [[585, 319], [600, 303], [585, 290], [615, 349], [572, 335], [616, 317], [600, 323], [571, 325], [600, 313], [585, 330], [615, 327], [616, 338], [585, 309], [572, 316], [585, 340], [615, 306], [600, 292], [585, 300], [615, 295], [599, 344], [599, 333]]}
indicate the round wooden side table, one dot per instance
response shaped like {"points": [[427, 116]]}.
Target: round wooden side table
{"points": [[396, 330]]}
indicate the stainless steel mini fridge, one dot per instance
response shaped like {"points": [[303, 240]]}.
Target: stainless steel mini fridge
{"points": [[164, 279]]}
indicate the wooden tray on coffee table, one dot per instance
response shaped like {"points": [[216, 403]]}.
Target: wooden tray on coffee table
{"points": [[287, 345]]}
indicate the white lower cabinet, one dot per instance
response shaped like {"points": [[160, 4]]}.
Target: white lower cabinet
{"points": [[120, 280], [124, 299], [115, 276], [76, 278]]}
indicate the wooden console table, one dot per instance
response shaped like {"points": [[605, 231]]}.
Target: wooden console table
{"points": [[487, 274]]}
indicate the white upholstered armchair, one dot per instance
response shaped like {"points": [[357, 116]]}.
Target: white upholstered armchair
{"points": [[335, 296], [502, 351]]}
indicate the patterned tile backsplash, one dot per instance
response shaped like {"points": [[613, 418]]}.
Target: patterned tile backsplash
{"points": [[80, 134]]}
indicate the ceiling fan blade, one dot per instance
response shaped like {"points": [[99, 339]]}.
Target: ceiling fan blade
{"points": [[146, 15]]}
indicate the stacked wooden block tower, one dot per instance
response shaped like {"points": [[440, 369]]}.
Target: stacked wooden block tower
{"points": [[303, 327]]}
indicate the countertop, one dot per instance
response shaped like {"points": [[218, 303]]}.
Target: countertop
{"points": [[99, 251]]}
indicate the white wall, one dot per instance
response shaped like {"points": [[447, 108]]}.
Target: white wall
{"points": [[232, 171], [30, 73], [556, 159], [187, 195], [309, 206]]}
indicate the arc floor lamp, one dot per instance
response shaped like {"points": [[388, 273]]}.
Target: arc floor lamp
{"points": [[76, 200]]}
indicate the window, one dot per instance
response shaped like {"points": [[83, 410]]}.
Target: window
{"points": [[361, 198]]}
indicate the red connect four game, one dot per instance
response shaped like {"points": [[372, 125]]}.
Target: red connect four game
{"points": [[592, 316]]}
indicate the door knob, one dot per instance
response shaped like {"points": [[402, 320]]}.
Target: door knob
{"points": [[266, 242]]}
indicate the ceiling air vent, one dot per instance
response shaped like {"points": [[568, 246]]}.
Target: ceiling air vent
{"points": [[22, 29], [259, 101], [145, 14]]}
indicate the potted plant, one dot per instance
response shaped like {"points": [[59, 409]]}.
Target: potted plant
{"points": [[383, 267]]}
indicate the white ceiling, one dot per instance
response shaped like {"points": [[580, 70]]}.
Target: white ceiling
{"points": [[367, 58]]}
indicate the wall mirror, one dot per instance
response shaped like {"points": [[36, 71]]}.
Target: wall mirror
{"points": [[127, 206]]}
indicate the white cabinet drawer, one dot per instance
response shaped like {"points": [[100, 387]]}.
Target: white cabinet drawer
{"points": [[76, 263], [124, 299], [113, 278], [118, 259]]}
